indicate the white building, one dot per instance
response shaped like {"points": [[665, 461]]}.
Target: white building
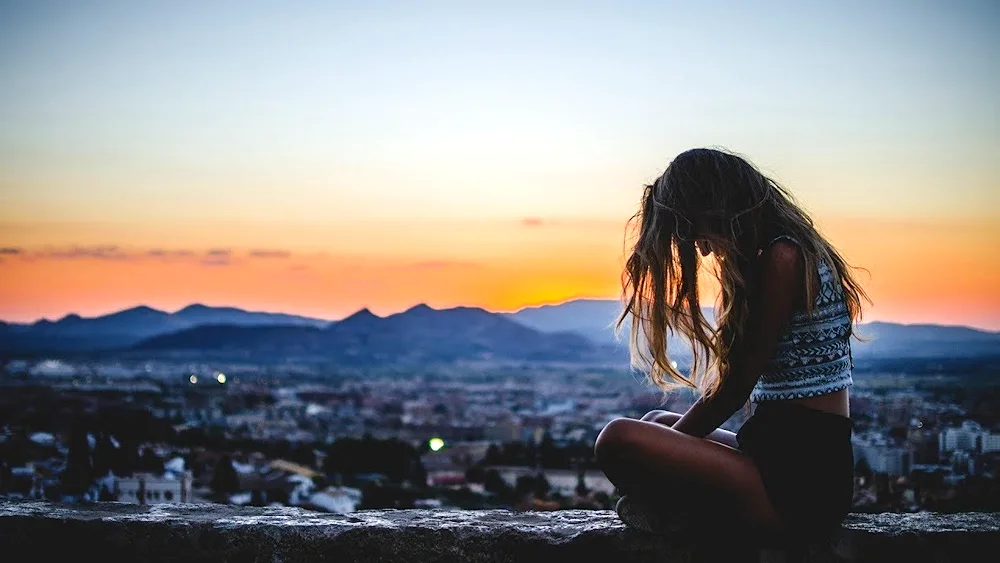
{"points": [[965, 437], [989, 442], [146, 488], [970, 437], [882, 458]]}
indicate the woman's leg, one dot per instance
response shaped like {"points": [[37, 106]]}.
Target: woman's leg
{"points": [[668, 418], [701, 479]]}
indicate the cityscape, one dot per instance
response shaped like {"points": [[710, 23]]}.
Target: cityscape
{"points": [[457, 436]]}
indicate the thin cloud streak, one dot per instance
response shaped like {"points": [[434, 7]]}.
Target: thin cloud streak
{"points": [[169, 254], [536, 222], [443, 265], [270, 254], [216, 260], [212, 257], [103, 252]]}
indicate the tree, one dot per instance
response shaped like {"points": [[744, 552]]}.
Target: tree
{"points": [[149, 462], [541, 486], [863, 469], [6, 477], [548, 454], [475, 474], [225, 481], [105, 455], [581, 484], [524, 485], [127, 458], [492, 455], [77, 476], [494, 483]]}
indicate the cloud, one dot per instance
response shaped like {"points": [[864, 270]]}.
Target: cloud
{"points": [[162, 254], [216, 260], [101, 252], [442, 265], [262, 253], [211, 257], [575, 222]]}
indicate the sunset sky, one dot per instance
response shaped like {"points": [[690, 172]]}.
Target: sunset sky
{"points": [[320, 157]]}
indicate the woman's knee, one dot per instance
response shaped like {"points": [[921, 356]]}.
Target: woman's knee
{"points": [[616, 435], [661, 417]]}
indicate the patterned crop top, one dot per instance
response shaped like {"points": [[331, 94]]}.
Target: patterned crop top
{"points": [[814, 352]]}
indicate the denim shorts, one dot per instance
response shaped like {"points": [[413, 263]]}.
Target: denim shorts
{"points": [[806, 461]]}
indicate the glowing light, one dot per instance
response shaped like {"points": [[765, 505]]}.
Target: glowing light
{"points": [[220, 377], [673, 364], [436, 444], [193, 379]]}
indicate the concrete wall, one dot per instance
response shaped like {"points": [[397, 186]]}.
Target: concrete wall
{"points": [[117, 532]]}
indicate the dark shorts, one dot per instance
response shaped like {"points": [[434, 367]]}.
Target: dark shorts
{"points": [[806, 462]]}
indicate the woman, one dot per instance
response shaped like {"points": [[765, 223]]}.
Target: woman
{"points": [[781, 341]]}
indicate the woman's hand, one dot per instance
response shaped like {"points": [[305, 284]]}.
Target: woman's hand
{"points": [[779, 287]]}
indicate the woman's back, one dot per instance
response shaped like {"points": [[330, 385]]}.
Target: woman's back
{"points": [[813, 363]]}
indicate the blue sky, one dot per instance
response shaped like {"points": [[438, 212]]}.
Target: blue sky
{"points": [[445, 105], [444, 132]]}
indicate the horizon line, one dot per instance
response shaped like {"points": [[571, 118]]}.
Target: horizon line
{"points": [[416, 305]]}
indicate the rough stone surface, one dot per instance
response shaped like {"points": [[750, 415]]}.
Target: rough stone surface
{"points": [[113, 532]]}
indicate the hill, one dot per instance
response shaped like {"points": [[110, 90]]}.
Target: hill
{"points": [[121, 329], [591, 318], [419, 335]]}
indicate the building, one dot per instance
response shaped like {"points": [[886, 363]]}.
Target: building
{"points": [[989, 442], [883, 458], [146, 488], [965, 437], [969, 437]]}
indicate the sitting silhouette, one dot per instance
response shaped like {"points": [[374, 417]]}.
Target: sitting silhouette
{"points": [[780, 342]]}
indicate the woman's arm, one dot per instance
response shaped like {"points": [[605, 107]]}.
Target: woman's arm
{"points": [[780, 284]]}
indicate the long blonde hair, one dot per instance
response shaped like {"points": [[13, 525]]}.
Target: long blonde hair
{"points": [[713, 196]]}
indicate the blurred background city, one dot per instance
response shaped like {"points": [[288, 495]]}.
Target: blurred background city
{"points": [[366, 255]]}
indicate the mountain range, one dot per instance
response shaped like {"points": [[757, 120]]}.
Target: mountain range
{"points": [[74, 333], [418, 335], [575, 331], [593, 318]]}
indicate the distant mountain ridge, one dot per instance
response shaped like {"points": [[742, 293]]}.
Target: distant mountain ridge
{"points": [[578, 330], [420, 334], [124, 328], [592, 317]]}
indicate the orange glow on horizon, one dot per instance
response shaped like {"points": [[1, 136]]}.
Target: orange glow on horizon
{"points": [[920, 272]]}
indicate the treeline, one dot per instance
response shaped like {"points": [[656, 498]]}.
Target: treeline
{"points": [[547, 454]]}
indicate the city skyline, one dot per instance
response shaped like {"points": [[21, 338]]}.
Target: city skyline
{"points": [[320, 159]]}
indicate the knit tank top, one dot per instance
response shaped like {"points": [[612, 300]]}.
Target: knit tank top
{"points": [[813, 356]]}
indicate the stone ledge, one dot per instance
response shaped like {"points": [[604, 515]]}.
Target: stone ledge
{"points": [[112, 532]]}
